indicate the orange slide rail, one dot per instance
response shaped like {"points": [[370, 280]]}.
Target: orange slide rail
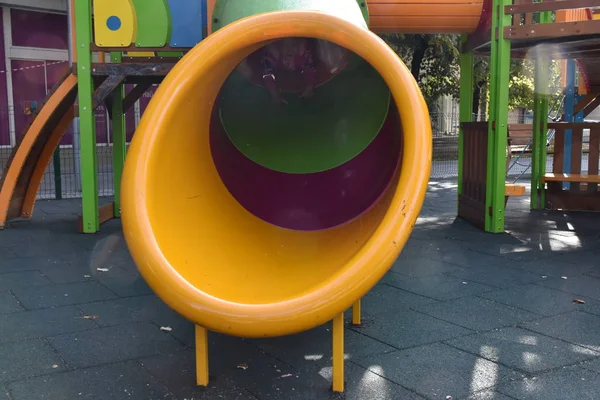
{"points": [[25, 169]]}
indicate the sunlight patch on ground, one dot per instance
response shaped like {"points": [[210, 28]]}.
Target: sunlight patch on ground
{"points": [[532, 340], [530, 358], [313, 357], [485, 373]]}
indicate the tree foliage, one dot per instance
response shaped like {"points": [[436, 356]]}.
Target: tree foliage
{"points": [[434, 63]]}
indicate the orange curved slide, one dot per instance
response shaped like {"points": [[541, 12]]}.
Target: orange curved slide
{"points": [[25, 169], [425, 16], [211, 259]]}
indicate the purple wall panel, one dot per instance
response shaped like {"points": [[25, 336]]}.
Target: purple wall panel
{"points": [[29, 83], [38, 29], [4, 111], [56, 72]]}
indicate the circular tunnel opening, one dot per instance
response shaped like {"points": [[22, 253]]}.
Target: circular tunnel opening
{"points": [[227, 238], [305, 134]]}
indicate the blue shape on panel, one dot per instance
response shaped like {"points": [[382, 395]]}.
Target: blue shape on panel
{"points": [[113, 23], [186, 23]]}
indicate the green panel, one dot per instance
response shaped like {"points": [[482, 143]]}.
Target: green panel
{"points": [[498, 124], [153, 22], [87, 120], [118, 138], [228, 11], [466, 107], [169, 54], [306, 135]]}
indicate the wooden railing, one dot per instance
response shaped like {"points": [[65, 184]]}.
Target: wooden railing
{"points": [[526, 19], [581, 193], [475, 147]]}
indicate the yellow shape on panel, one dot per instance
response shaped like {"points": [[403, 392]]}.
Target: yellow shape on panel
{"points": [[115, 23]]}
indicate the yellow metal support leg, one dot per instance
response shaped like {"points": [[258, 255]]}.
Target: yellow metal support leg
{"points": [[356, 313], [338, 353], [201, 356]]}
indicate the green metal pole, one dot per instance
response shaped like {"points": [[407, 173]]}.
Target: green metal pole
{"points": [[538, 138], [57, 173], [498, 122], [118, 138], [543, 81], [466, 106], [87, 120], [540, 125]]}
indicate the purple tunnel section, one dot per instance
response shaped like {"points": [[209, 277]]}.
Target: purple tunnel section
{"points": [[315, 201]]}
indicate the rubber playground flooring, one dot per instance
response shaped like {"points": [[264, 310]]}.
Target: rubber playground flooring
{"points": [[461, 315]]}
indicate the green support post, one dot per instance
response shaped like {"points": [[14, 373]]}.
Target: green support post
{"points": [[87, 118], [540, 125], [118, 137], [498, 122], [466, 106], [57, 173]]}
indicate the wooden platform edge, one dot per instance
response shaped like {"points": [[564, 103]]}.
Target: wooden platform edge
{"points": [[105, 213], [513, 190], [552, 177]]}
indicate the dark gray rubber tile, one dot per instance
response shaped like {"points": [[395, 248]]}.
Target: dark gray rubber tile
{"points": [[472, 259], [542, 300], [438, 287], [410, 328], [578, 257], [28, 358], [124, 283], [580, 285], [24, 279], [37, 248], [501, 277], [437, 371], [9, 303], [420, 266], [67, 273], [593, 365], [523, 350], [312, 348], [177, 371], [553, 267], [385, 299], [122, 381], [565, 383], [128, 310], [488, 395], [39, 323], [21, 264], [595, 272], [575, 327], [233, 362], [359, 384], [107, 345], [477, 314], [62, 295]]}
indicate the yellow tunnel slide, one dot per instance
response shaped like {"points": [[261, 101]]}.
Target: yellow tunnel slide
{"points": [[257, 219]]}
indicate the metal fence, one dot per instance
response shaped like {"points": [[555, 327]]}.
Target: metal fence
{"points": [[63, 171]]}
